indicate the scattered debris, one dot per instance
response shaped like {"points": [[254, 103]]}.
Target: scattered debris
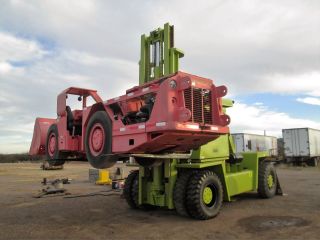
{"points": [[46, 166], [56, 181], [53, 187]]}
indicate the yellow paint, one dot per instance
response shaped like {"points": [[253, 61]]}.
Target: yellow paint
{"points": [[104, 177]]}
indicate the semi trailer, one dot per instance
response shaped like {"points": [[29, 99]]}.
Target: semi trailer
{"points": [[246, 142], [302, 145]]}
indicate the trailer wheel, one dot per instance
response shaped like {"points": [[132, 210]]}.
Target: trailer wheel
{"points": [[179, 193], [131, 189], [204, 195], [267, 180], [54, 157], [98, 141]]}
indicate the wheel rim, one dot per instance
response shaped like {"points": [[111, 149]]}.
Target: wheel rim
{"points": [[96, 139], [209, 195], [270, 181], [52, 144]]}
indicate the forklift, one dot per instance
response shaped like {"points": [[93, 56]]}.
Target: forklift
{"points": [[175, 127], [195, 184]]}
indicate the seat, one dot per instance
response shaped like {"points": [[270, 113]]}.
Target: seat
{"points": [[145, 110], [74, 129], [70, 120]]}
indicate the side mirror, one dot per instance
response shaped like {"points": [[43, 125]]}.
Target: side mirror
{"points": [[79, 98]]}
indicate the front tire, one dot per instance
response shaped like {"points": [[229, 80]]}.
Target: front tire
{"points": [[267, 180], [204, 195], [98, 141], [54, 156]]}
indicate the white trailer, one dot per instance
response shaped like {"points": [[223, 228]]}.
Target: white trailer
{"points": [[302, 145], [245, 142]]}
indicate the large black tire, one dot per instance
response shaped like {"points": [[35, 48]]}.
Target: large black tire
{"points": [[267, 180], [54, 156], [131, 189], [131, 192], [199, 206], [98, 154], [180, 192]]}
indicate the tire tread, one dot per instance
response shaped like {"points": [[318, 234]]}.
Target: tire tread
{"points": [[128, 191], [194, 196], [179, 193], [263, 189]]}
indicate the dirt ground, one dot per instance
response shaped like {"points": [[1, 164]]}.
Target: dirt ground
{"points": [[294, 216]]}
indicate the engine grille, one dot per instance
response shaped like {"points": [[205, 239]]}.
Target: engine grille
{"points": [[198, 101]]}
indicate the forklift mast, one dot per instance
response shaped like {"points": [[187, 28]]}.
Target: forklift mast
{"points": [[159, 57]]}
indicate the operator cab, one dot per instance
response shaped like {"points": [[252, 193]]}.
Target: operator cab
{"points": [[69, 99], [74, 119]]}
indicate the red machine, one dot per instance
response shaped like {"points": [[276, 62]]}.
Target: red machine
{"points": [[175, 113]]}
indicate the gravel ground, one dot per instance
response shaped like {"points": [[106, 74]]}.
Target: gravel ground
{"points": [[293, 216]]}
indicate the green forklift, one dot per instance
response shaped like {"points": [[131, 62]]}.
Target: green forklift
{"points": [[194, 184]]}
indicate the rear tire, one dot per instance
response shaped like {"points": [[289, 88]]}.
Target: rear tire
{"points": [[54, 156], [131, 189], [98, 141], [180, 192], [204, 195], [131, 192], [267, 180]]}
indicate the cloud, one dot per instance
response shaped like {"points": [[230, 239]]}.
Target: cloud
{"points": [[5, 67], [256, 119], [30, 91], [248, 37], [309, 100], [13, 48], [16, 52], [304, 83], [254, 47], [258, 104], [315, 93]]}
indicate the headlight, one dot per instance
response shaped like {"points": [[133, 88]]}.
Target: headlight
{"points": [[173, 84]]}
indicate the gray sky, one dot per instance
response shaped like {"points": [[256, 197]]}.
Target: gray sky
{"points": [[266, 52]]}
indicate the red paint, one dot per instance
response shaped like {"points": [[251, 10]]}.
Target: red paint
{"points": [[38, 143], [96, 139], [182, 118], [52, 144]]}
